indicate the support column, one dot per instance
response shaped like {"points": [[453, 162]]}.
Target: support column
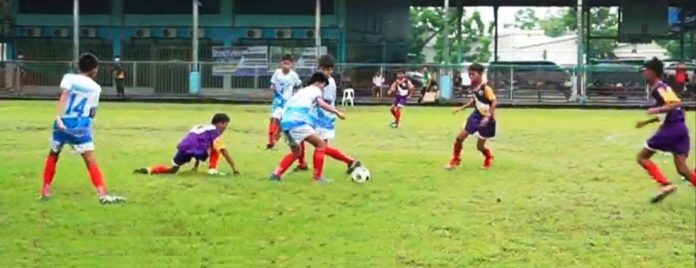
{"points": [[580, 69], [588, 34], [495, 37], [460, 14], [317, 28], [445, 32], [227, 79], [76, 30]]}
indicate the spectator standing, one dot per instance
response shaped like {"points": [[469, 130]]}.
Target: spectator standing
{"points": [[377, 84], [427, 82], [119, 75]]}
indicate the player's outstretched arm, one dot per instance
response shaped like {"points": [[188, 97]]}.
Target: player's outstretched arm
{"points": [[392, 88], [643, 123], [466, 105], [327, 107], [229, 160]]}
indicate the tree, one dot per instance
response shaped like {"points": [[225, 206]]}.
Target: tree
{"points": [[604, 22], [674, 47], [526, 19], [428, 24]]}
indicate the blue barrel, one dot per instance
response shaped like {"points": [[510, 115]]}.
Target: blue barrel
{"points": [[194, 83], [445, 87]]}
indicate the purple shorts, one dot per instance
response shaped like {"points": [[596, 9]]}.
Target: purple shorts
{"points": [[400, 101], [473, 126], [671, 137], [183, 157]]}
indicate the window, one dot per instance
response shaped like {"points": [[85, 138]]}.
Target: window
{"points": [[282, 7], [151, 7], [61, 7]]}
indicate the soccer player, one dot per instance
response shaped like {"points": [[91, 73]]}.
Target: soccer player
{"points": [[297, 125], [403, 88], [73, 126], [672, 136], [195, 145], [325, 122], [283, 82], [482, 120]]}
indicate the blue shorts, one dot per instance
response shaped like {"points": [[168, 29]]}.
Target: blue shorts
{"points": [[183, 157], [672, 138], [78, 134]]}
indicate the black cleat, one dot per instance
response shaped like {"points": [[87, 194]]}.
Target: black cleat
{"points": [[353, 165], [665, 192], [270, 146], [143, 171], [300, 169]]}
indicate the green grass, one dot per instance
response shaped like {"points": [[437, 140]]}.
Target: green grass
{"points": [[564, 192]]}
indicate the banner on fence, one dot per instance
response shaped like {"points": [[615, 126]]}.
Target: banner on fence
{"points": [[227, 59]]}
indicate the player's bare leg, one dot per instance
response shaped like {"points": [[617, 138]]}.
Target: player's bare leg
{"points": [[396, 112], [49, 173], [654, 171], [456, 159], [683, 168], [97, 178], [487, 154]]}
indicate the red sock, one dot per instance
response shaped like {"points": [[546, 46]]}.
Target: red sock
{"points": [[161, 169], [655, 172], [318, 163], [49, 169], [214, 159], [693, 178], [457, 152], [272, 130], [285, 163], [301, 158], [338, 155], [487, 153], [397, 115], [393, 112], [97, 179]]}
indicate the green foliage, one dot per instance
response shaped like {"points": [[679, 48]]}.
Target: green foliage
{"points": [[428, 24], [674, 47], [604, 22], [564, 191]]}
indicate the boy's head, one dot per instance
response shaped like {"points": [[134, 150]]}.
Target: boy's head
{"points": [[220, 121], [400, 75], [88, 64], [326, 65], [319, 80], [476, 72], [286, 62], [654, 69]]}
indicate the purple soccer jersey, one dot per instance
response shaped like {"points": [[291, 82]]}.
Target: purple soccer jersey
{"points": [[199, 140], [673, 135]]}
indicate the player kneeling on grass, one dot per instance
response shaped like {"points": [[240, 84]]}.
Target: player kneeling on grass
{"points": [[298, 126], [195, 145], [672, 136], [481, 121], [73, 126]]}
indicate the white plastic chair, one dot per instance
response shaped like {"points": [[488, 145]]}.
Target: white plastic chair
{"points": [[348, 96]]}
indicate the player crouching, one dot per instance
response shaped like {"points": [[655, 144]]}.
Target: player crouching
{"points": [[195, 145]]}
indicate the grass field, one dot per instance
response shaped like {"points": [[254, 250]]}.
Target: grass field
{"points": [[564, 192]]}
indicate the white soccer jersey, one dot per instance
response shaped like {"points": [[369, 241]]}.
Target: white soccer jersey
{"points": [[84, 95], [285, 83]]}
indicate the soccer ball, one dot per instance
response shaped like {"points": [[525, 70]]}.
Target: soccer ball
{"points": [[360, 175]]}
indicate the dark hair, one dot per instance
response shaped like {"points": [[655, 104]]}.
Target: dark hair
{"points": [[326, 61], [477, 68], [655, 65], [87, 62], [287, 57], [220, 118], [318, 77], [400, 71]]}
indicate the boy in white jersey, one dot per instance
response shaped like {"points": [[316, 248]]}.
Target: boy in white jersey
{"points": [[283, 82], [297, 126], [325, 122], [73, 126]]}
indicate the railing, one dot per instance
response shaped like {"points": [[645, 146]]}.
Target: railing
{"points": [[513, 83]]}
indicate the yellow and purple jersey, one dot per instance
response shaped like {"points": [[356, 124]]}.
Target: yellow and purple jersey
{"points": [[200, 139], [662, 95], [483, 98]]}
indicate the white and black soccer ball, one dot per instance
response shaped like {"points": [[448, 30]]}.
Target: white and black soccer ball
{"points": [[360, 175]]}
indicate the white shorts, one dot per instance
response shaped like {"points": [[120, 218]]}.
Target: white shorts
{"points": [[326, 134], [57, 147], [296, 135], [277, 113]]}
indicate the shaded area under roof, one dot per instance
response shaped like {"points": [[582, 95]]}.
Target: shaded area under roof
{"points": [[547, 3]]}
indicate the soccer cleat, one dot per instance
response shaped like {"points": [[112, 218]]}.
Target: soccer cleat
{"points": [[111, 199], [144, 171], [270, 146], [323, 181], [487, 163], [300, 169], [353, 165], [394, 125], [664, 192], [216, 172], [45, 193], [274, 178], [455, 162]]}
